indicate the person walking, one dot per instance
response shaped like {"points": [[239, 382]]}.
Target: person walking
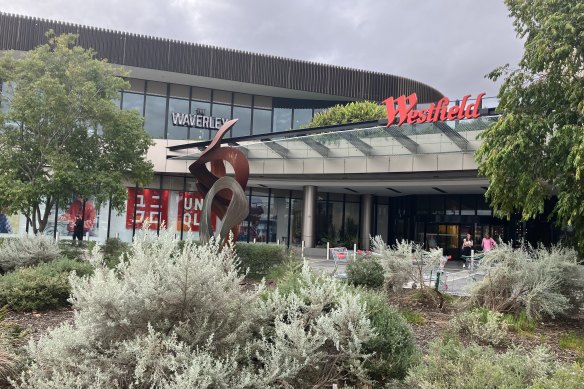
{"points": [[488, 243], [78, 230]]}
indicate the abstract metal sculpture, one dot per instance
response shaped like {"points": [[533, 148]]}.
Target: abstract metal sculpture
{"points": [[224, 195]]}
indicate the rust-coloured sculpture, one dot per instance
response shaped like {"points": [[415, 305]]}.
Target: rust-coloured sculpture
{"points": [[224, 195]]}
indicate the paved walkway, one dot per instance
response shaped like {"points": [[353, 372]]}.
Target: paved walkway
{"points": [[457, 281]]}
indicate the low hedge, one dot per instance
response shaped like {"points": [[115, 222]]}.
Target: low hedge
{"points": [[40, 287], [259, 258], [366, 272]]}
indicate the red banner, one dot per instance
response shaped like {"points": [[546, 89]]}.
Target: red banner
{"points": [[193, 208], [149, 204]]}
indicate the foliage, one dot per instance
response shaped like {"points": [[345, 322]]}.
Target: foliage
{"points": [[259, 258], [481, 326], [451, 365], [542, 282], [75, 251], [179, 318], [535, 149], [113, 251], [41, 287], [365, 271], [354, 112], [322, 325], [412, 317], [520, 322], [11, 339], [63, 133], [393, 348], [292, 265], [405, 262], [566, 376], [27, 250], [572, 341]]}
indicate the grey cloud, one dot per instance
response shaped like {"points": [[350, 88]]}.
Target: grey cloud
{"points": [[450, 45]]}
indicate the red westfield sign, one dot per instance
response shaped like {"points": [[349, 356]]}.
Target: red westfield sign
{"points": [[403, 107]]}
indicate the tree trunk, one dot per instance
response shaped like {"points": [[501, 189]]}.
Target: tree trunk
{"points": [[40, 220]]}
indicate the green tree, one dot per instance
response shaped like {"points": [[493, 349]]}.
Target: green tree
{"points": [[354, 112], [61, 131], [536, 149]]}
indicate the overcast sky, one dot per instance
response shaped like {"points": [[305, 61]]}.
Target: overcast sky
{"points": [[448, 44]]}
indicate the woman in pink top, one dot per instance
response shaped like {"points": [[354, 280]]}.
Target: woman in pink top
{"points": [[488, 243]]}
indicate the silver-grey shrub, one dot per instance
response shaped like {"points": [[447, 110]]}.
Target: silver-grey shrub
{"points": [[405, 262], [481, 325], [27, 250], [542, 281], [449, 364], [171, 318]]}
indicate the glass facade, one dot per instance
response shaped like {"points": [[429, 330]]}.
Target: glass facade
{"points": [[276, 216], [156, 101]]}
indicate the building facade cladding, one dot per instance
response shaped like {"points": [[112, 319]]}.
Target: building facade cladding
{"points": [[25, 33], [276, 215]]}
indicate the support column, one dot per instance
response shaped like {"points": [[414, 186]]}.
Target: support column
{"points": [[309, 216], [366, 220]]}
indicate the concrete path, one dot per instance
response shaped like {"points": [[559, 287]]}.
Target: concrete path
{"points": [[457, 281]]}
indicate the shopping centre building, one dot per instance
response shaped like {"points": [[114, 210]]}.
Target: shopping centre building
{"points": [[341, 184]]}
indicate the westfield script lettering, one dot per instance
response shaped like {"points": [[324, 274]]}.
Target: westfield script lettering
{"points": [[402, 108]]}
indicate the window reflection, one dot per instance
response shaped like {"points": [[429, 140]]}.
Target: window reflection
{"points": [[133, 101], [177, 106], [242, 127], [204, 108], [302, 116], [282, 119], [155, 115], [262, 120]]}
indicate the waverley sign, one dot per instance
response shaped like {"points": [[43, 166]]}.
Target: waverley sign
{"points": [[198, 120], [402, 108]]}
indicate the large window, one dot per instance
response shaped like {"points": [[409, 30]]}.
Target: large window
{"points": [[133, 101], [262, 121], [302, 116], [177, 106], [205, 108], [243, 125], [155, 116], [282, 119]]}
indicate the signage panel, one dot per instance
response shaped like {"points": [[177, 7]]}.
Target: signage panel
{"points": [[149, 203], [193, 210], [402, 109]]}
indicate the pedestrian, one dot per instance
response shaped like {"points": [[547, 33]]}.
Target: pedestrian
{"points": [[467, 245], [78, 230], [488, 243]]}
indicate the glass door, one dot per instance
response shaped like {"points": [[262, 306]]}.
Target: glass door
{"points": [[444, 236]]}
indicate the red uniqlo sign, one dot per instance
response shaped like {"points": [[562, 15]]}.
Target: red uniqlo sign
{"points": [[193, 211], [149, 204]]}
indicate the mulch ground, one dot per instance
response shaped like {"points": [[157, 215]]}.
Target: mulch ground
{"points": [[436, 320], [38, 323], [547, 333]]}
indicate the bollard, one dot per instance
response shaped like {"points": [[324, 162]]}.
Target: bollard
{"points": [[355, 251], [254, 240], [117, 235], [302, 250], [278, 242], [87, 236], [328, 251], [471, 260], [57, 236]]}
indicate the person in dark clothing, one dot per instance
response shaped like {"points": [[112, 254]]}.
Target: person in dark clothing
{"points": [[78, 229]]}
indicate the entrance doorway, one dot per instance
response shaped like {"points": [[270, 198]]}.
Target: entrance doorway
{"points": [[444, 236]]}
